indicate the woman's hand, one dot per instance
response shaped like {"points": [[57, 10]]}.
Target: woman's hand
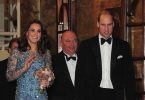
{"points": [[29, 62]]}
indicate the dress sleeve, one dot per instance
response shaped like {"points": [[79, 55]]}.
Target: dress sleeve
{"points": [[12, 73]]}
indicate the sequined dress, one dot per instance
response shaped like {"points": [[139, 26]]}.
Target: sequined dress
{"points": [[27, 85]]}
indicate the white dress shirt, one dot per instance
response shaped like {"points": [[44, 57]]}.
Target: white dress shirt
{"points": [[71, 64], [106, 62]]}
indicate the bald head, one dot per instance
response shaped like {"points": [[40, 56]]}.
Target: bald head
{"points": [[68, 33]]}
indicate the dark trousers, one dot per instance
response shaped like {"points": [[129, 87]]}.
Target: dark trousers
{"points": [[106, 94]]}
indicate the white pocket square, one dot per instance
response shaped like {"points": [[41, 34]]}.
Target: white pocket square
{"points": [[119, 57]]}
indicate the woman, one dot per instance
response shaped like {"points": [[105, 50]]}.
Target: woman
{"points": [[30, 57]]}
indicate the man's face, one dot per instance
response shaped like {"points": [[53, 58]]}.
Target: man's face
{"points": [[105, 25], [69, 43], [14, 45]]}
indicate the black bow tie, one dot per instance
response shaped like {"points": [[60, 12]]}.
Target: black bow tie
{"points": [[107, 40], [68, 58]]}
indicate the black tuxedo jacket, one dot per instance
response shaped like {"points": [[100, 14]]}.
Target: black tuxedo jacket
{"points": [[63, 88], [122, 70]]}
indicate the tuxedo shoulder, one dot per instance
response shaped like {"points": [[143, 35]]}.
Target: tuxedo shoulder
{"points": [[56, 56], [90, 40], [120, 41]]}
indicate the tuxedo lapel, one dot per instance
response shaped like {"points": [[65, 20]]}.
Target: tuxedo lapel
{"points": [[97, 55], [77, 69], [114, 53], [65, 69]]}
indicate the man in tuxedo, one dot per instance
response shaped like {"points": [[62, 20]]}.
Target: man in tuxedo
{"points": [[7, 88], [107, 64], [66, 70]]}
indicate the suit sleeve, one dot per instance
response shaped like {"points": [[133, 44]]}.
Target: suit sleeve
{"points": [[130, 86]]}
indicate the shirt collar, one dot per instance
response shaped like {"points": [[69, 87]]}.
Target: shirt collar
{"points": [[74, 55], [100, 36]]}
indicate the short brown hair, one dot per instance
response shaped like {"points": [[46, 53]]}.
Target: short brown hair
{"points": [[14, 40], [104, 12]]}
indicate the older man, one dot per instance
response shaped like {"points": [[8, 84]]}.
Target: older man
{"points": [[66, 70]]}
